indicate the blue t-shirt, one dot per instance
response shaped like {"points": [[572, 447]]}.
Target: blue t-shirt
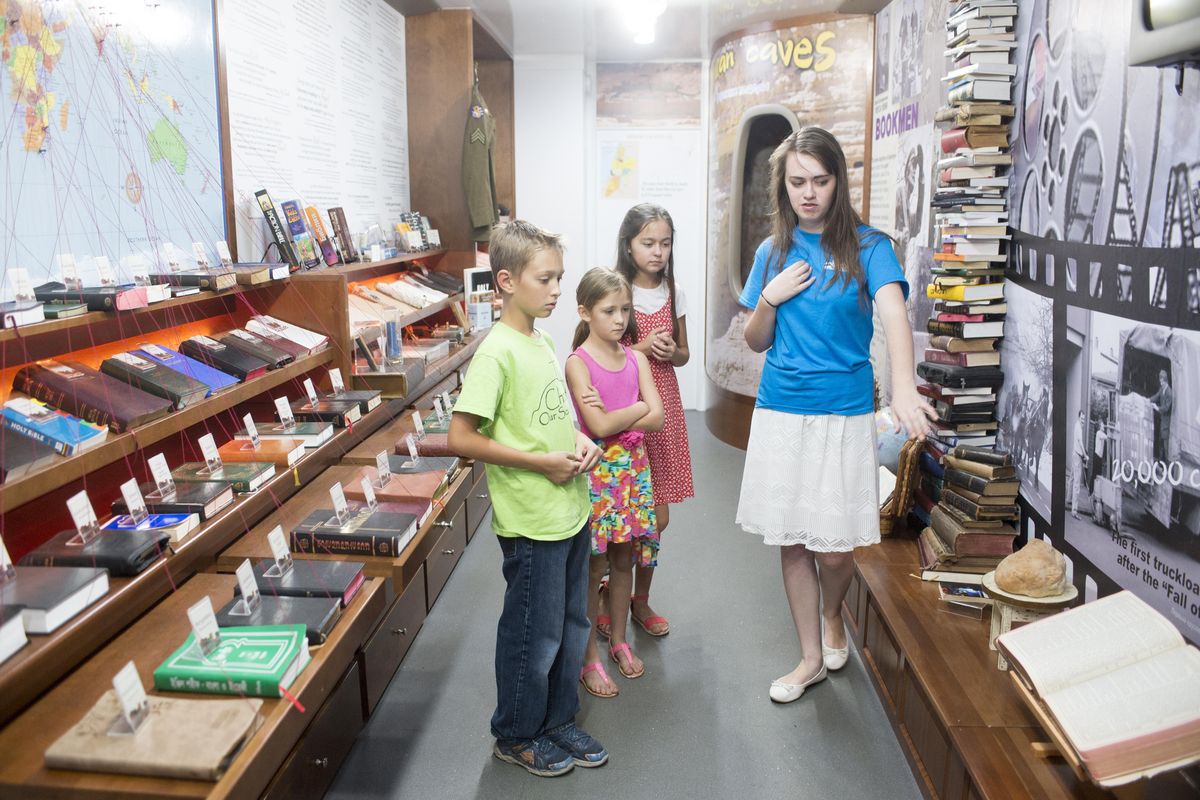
{"points": [[820, 362]]}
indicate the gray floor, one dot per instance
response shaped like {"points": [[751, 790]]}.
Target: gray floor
{"points": [[698, 724]]}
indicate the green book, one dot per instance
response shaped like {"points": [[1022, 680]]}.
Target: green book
{"points": [[252, 661], [244, 476]]}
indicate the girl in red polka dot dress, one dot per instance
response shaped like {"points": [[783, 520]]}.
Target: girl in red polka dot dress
{"points": [[645, 258]]}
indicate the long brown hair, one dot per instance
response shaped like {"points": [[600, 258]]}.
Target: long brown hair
{"points": [[840, 237], [595, 285], [635, 220]]}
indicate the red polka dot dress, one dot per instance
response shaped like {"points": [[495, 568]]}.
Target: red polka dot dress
{"points": [[670, 456]]}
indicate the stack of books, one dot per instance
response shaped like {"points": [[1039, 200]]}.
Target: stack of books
{"points": [[962, 363], [970, 528]]}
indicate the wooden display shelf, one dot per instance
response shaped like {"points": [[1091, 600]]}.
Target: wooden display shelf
{"points": [[23, 772], [961, 723], [65, 470], [165, 314], [38, 665], [361, 270], [401, 569], [438, 372], [383, 439]]}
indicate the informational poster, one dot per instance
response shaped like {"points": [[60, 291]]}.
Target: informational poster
{"points": [[318, 110]]}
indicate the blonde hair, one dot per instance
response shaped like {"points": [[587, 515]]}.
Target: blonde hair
{"points": [[595, 285], [514, 244]]}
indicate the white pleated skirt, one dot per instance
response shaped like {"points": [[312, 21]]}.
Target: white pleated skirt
{"points": [[811, 480]]}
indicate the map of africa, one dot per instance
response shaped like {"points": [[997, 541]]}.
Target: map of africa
{"points": [[111, 144]]}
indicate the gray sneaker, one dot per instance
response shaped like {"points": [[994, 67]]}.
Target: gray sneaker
{"points": [[586, 751], [540, 756]]}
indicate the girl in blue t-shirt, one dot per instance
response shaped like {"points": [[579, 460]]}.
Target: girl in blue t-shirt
{"points": [[811, 478]]}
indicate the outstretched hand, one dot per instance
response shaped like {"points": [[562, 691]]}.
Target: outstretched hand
{"points": [[913, 412]]}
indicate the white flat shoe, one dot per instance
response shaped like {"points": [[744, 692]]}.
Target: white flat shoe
{"points": [[787, 692], [835, 657]]}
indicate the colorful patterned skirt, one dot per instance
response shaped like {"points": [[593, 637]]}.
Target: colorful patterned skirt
{"points": [[623, 502]]}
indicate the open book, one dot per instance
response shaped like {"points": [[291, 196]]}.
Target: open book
{"points": [[1120, 683]]}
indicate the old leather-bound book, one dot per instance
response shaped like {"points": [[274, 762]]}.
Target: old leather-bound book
{"points": [[181, 738], [122, 553], [89, 395]]}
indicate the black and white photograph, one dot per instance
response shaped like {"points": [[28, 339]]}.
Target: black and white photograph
{"points": [[1132, 457], [1025, 402]]}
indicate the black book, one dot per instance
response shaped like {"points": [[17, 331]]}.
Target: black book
{"points": [[366, 533], [342, 413], [317, 614], [983, 455], [156, 379], [956, 377], [287, 252], [368, 399], [337, 220], [251, 345], [123, 553], [334, 579], [49, 596], [96, 298], [443, 282], [403, 465], [216, 354], [205, 498], [981, 412]]}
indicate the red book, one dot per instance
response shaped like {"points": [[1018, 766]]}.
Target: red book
{"points": [[960, 317], [986, 359]]}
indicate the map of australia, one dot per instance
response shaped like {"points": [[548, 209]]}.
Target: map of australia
{"points": [[111, 144]]}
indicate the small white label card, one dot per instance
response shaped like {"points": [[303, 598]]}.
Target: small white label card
{"points": [[7, 570], [162, 475], [418, 424], [200, 256], [383, 468], [208, 448], [435, 238], [22, 287], [210, 344], [157, 352], [440, 410], [251, 431], [368, 493], [412, 448], [84, 517], [131, 695], [104, 271], [136, 362], [284, 409], [223, 253], [250, 596], [311, 391], [204, 626], [335, 381], [134, 504], [376, 252], [171, 256], [279, 552], [135, 265], [69, 271], [340, 509], [447, 402]]}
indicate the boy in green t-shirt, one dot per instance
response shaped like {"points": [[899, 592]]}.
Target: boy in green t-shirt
{"points": [[513, 415]]}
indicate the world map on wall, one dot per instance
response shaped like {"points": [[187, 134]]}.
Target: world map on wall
{"points": [[110, 144]]}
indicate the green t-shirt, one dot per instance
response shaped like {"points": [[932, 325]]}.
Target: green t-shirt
{"points": [[514, 383]]}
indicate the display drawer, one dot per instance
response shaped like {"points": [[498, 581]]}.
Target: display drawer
{"points": [[386, 648], [314, 761], [444, 556]]}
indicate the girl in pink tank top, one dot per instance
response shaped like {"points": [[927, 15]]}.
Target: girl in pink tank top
{"points": [[616, 402]]}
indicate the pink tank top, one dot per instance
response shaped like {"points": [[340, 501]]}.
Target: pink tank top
{"points": [[617, 389]]}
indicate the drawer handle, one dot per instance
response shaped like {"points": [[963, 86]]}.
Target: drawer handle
{"points": [[443, 524], [400, 631], [483, 496], [322, 762], [448, 552]]}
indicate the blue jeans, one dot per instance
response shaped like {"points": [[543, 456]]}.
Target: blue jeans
{"points": [[542, 634]]}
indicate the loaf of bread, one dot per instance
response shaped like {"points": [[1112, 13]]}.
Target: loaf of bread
{"points": [[1036, 570]]}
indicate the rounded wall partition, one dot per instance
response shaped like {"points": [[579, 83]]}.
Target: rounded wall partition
{"points": [[765, 83]]}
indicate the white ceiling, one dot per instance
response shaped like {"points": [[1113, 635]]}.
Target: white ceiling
{"points": [[594, 28]]}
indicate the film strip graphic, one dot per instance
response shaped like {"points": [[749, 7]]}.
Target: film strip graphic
{"points": [[1158, 285]]}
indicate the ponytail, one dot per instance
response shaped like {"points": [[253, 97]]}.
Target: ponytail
{"points": [[582, 332]]}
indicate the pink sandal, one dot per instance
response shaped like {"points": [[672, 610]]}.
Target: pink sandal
{"points": [[648, 621], [596, 666], [623, 647]]}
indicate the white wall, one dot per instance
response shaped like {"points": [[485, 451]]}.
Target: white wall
{"points": [[551, 143]]}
